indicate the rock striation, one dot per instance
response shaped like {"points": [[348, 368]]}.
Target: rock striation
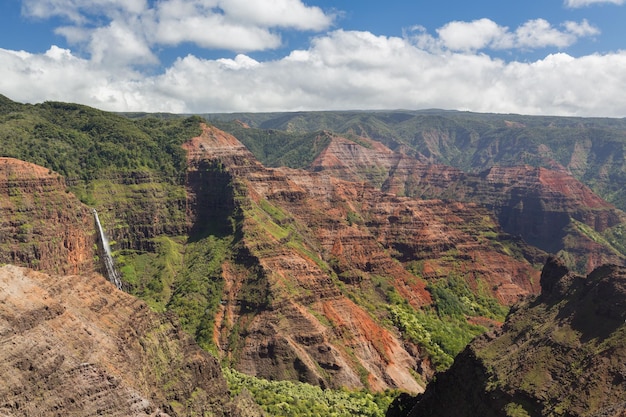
{"points": [[548, 208], [42, 225], [75, 345], [563, 354], [308, 244]]}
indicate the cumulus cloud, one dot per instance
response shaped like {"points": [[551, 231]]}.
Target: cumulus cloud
{"points": [[583, 3], [478, 34], [215, 32], [78, 11], [277, 13], [487, 34], [340, 70], [118, 44], [238, 25]]}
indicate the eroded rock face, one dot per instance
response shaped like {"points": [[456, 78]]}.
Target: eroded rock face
{"points": [[75, 345], [135, 207], [305, 235], [548, 208], [562, 354], [42, 225]]}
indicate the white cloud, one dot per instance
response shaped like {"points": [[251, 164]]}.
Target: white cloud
{"points": [[212, 31], [486, 34], [340, 70], [581, 29], [124, 31], [240, 62], [583, 3], [539, 33], [277, 13], [475, 35], [79, 11], [118, 44]]}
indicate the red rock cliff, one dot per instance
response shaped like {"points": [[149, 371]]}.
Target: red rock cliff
{"points": [[42, 225], [75, 345], [308, 236]]}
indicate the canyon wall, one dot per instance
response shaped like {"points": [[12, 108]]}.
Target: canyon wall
{"points": [[562, 354], [42, 225], [548, 208], [313, 247], [75, 345]]}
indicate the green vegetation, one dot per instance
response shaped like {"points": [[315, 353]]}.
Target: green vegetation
{"points": [[616, 236], [151, 275], [443, 330], [443, 337], [296, 399], [279, 148], [470, 141], [198, 292], [83, 143], [454, 298], [515, 410]]}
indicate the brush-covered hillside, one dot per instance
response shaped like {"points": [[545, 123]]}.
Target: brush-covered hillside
{"points": [[563, 354]]}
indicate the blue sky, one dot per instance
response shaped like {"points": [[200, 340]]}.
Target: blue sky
{"points": [[558, 57]]}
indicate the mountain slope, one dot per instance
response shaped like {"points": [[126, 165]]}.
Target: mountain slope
{"points": [[315, 261], [592, 149], [548, 208], [77, 346], [41, 224], [563, 354]]}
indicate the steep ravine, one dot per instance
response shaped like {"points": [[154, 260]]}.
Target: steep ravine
{"points": [[548, 208], [562, 354], [307, 250], [276, 303], [287, 274]]}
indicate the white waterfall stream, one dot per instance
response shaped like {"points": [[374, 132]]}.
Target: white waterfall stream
{"points": [[112, 274]]}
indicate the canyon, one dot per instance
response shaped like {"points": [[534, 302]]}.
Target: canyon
{"points": [[547, 208], [366, 265], [313, 262]]}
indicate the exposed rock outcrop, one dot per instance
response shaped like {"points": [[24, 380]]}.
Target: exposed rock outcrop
{"points": [[74, 345], [563, 354], [306, 236], [548, 208], [42, 225]]}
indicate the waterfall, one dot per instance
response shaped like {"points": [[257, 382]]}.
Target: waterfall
{"points": [[112, 274]]}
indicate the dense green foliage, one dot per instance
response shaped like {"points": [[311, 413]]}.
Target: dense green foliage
{"points": [[278, 148], [198, 292], [441, 330], [151, 275], [296, 399], [453, 297], [83, 143], [442, 333]]}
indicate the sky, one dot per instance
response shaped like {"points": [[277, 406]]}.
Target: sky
{"points": [[543, 57]]}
